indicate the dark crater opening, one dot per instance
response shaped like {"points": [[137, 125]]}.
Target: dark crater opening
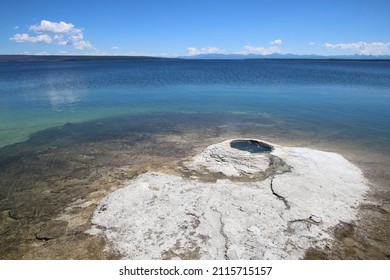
{"points": [[251, 146]]}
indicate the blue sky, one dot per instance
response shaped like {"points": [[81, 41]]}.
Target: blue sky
{"points": [[180, 27]]}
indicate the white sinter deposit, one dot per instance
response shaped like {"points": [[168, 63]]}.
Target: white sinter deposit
{"points": [[271, 205]]}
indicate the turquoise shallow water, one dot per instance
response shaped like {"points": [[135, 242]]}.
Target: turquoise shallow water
{"points": [[348, 98]]}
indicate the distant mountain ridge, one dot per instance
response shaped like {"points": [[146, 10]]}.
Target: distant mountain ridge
{"points": [[58, 58], [285, 56]]}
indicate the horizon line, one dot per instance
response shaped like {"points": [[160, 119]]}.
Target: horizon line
{"points": [[64, 57]]}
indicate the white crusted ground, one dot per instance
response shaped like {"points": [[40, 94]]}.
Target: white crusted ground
{"points": [[164, 216], [231, 162]]}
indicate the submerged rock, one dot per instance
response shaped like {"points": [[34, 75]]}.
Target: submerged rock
{"points": [[53, 229], [302, 195]]}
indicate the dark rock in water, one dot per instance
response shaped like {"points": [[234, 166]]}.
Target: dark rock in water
{"points": [[251, 146], [15, 215], [344, 230], [52, 230]]}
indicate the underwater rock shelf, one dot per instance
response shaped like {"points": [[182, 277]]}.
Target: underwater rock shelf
{"points": [[266, 202]]}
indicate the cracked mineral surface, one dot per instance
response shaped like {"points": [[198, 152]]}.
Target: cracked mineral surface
{"points": [[260, 206]]}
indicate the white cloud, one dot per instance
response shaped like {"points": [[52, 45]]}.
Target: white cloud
{"points": [[23, 38], [60, 33], [207, 50], [77, 41], [16, 27], [52, 27], [247, 49], [115, 48], [58, 37], [42, 53], [312, 44], [276, 42], [259, 50], [332, 46], [161, 54], [80, 45], [375, 48]]}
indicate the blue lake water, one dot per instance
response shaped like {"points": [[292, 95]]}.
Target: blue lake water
{"points": [[70, 132], [349, 100]]}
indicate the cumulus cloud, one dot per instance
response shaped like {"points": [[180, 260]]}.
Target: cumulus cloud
{"points": [[375, 48], [60, 33], [259, 50], [207, 50], [248, 49], [52, 27], [276, 42], [22, 38]]}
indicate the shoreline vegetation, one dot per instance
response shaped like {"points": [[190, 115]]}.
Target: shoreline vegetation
{"points": [[63, 58]]}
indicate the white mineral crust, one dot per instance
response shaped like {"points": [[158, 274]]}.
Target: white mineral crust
{"points": [[165, 216]]}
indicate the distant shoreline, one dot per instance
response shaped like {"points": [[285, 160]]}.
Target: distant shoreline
{"points": [[59, 58], [66, 58]]}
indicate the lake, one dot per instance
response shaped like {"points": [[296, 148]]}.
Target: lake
{"points": [[73, 129]]}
